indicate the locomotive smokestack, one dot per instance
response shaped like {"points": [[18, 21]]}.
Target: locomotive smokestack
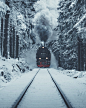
{"points": [[42, 43]]}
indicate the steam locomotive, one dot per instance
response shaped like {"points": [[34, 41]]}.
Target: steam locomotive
{"points": [[43, 57]]}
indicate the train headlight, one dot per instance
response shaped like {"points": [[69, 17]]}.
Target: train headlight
{"points": [[46, 57], [42, 47], [40, 58]]}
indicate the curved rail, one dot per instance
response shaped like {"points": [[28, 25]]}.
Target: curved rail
{"points": [[61, 92], [23, 92]]}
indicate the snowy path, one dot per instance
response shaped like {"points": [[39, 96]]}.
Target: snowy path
{"points": [[42, 93], [10, 93], [74, 90]]}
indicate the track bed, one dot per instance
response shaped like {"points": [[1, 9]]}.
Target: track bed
{"points": [[42, 93]]}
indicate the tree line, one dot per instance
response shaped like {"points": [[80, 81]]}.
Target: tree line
{"points": [[69, 49], [72, 34], [15, 27]]}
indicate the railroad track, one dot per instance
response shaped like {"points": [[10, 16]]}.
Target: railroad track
{"points": [[23, 93], [42, 87], [61, 92]]}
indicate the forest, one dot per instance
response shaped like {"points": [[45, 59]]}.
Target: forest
{"points": [[25, 23]]}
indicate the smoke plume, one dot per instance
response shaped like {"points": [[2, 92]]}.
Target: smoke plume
{"points": [[43, 27]]}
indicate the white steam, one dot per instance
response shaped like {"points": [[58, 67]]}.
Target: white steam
{"points": [[45, 19], [43, 25]]}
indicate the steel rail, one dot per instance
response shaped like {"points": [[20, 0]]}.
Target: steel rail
{"points": [[16, 103], [61, 92]]}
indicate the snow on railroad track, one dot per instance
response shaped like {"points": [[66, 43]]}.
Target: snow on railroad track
{"points": [[45, 92], [42, 93], [67, 102], [74, 90], [10, 94]]}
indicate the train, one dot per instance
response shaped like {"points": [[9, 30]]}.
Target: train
{"points": [[43, 57]]}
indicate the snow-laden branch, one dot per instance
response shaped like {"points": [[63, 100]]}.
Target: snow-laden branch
{"points": [[81, 29], [4, 7], [76, 24], [79, 21], [25, 41]]}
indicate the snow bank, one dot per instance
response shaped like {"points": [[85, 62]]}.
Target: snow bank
{"points": [[73, 73], [10, 94], [11, 69], [74, 89]]}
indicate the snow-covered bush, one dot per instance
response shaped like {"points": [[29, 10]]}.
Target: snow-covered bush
{"points": [[11, 68]]}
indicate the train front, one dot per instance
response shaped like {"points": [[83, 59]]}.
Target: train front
{"points": [[43, 57]]}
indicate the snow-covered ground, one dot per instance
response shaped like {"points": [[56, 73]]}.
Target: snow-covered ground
{"points": [[11, 69], [42, 93], [72, 82], [10, 93]]}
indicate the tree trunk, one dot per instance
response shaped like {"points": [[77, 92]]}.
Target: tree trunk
{"points": [[5, 44], [11, 41], [2, 34], [80, 55], [17, 46]]}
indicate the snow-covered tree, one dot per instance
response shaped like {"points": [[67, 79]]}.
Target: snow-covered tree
{"points": [[18, 24], [71, 14]]}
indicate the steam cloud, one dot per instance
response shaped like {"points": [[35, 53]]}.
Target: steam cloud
{"points": [[43, 27]]}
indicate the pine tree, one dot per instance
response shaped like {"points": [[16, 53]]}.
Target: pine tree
{"points": [[70, 13]]}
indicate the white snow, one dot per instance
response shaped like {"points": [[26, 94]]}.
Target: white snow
{"points": [[21, 20], [74, 89], [72, 82], [9, 94], [84, 16], [42, 93], [77, 25], [9, 70], [73, 3], [3, 7]]}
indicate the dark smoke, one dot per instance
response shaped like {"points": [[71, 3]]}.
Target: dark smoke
{"points": [[43, 28]]}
